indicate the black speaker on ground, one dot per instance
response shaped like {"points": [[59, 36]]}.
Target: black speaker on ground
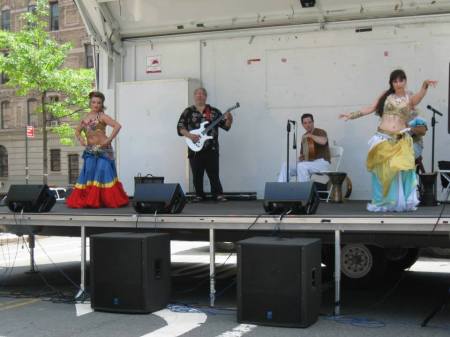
{"points": [[279, 281], [299, 198], [308, 3], [160, 198], [130, 272], [30, 198]]}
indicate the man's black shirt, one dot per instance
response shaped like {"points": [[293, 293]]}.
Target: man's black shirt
{"points": [[191, 118]]}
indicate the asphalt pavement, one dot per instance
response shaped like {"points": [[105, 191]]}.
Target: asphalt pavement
{"points": [[42, 303]]}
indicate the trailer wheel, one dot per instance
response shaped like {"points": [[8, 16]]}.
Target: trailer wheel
{"points": [[400, 259], [362, 265]]}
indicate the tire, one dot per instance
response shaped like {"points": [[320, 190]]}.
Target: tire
{"points": [[361, 265], [400, 259]]}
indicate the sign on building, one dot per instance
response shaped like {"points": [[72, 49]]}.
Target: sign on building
{"points": [[30, 131]]}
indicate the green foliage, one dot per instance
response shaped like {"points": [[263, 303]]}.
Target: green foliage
{"points": [[34, 64]]}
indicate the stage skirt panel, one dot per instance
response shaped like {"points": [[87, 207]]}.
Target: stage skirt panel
{"points": [[394, 181], [98, 184]]}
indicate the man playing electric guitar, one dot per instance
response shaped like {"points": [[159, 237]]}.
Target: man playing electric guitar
{"points": [[207, 159]]}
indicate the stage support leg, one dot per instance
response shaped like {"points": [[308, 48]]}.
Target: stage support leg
{"points": [[337, 272], [81, 293], [212, 268], [31, 245]]}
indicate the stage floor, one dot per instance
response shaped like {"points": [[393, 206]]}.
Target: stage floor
{"points": [[255, 207], [230, 219]]}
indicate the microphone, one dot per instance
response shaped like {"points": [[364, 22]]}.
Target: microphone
{"points": [[291, 121], [429, 107]]}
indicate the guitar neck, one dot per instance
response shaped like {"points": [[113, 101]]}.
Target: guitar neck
{"points": [[218, 120], [213, 124]]}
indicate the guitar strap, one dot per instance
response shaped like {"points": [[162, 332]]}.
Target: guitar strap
{"points": [[207, 113]]}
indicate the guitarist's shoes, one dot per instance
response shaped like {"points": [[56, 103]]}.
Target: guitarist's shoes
{"points": [[197, 199], [221, 198]]}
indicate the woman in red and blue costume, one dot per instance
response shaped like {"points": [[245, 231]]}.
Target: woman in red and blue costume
{"points": [[98, 184]]}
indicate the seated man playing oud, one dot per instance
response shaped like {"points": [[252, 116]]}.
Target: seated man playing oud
{"points": [[314, 153]]}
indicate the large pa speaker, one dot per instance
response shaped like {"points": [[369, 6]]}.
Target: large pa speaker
{"points": [[160, 198], [30, 198], [279, 281], [299, 198], [130, 272]]}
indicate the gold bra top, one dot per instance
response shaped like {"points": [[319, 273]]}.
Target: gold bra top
{"points": [[398, 106], [94, 125]]}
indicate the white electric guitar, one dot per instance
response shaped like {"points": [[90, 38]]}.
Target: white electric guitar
{"points": [[203, 130]]}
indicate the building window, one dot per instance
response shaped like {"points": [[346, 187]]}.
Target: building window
{"points": [[32, 8], [3, 161], [52, 121], [54, 16], [73, 168], [55, 160], [32, 118], [6, 19], [3, 77], [4, 107], [89, 52]]}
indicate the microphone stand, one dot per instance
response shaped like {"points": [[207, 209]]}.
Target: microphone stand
{"points": [[433, 124], [288, 129], [428, 181], [294, 147]]}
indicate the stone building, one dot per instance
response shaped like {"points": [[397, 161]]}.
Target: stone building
{"points": [[17, 112]]}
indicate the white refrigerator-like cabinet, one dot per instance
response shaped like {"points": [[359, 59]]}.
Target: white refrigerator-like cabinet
{"points": [[148, 142]]}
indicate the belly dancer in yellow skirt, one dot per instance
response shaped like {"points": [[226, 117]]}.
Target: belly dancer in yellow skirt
{"points": [[391, 155]]}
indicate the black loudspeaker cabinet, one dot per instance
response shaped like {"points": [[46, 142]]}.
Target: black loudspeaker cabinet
{"points": [[159, 198], [279, 281], [299, 198], [30, 198], [130, 272]]}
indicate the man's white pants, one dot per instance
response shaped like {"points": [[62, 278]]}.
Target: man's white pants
{"points": [[304, 169]]}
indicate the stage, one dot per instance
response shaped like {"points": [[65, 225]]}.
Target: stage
{"points": [[334, 224], [232, 217]]}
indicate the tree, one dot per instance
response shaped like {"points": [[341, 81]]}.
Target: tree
{"points": [[34, 65]]}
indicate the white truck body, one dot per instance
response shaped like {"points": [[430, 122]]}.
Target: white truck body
{"points": [[276, 73]]}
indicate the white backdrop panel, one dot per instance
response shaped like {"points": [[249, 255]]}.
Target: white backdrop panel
{"points": [[148, 141]]}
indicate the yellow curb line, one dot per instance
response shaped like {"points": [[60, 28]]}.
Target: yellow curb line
{"points": [[17, 304]]}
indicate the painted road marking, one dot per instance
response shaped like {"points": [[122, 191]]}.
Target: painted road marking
{"points": [[178, 323], [17, 304], [238, 331], [83, 309]]}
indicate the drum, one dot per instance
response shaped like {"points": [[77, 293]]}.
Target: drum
{"points": [[336, 180]]}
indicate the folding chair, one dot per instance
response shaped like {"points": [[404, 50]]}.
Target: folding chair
{"points": [[336, 153], [444, 172]]}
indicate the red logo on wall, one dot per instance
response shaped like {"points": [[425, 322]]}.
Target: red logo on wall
{"points": [[30, 131]]}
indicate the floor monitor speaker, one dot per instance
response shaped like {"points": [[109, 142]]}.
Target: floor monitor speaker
{"points": [[30, 198], [159, 198], [299, 198]]}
